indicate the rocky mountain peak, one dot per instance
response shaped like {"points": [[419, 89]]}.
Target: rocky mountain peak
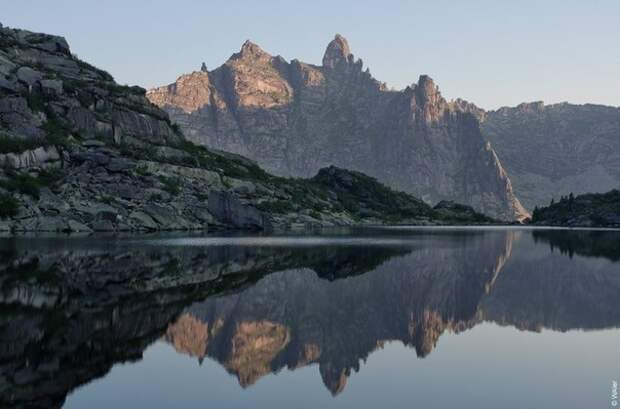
{"points": [[426, 90], [251, 51], [297, 118], [337, 53]]}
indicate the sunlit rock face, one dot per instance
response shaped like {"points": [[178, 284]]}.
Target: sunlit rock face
{"points": [[295, 118]]}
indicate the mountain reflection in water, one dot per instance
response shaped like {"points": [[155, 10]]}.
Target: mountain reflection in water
{"points": [[72, 308]]}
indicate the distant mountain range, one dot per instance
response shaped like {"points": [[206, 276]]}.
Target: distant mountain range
{"points": [[550, 151], [294, 118]]}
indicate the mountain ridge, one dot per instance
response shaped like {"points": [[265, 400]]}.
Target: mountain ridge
{"points": [[79, 152], [294, 118]]}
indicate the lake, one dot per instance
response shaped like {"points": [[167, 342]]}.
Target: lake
{"points": [[350, 318]]}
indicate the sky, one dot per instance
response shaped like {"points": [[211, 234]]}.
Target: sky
{"points": [[493, 53]]}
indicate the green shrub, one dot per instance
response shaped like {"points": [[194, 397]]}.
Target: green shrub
{"points": [[276, 206], [176, 128], [56, 131], [142, 170], [8, 206], [27, 184], [315, 214], [171, 185], [15, 145], [107, 199], [22, 183], [35, 102]]}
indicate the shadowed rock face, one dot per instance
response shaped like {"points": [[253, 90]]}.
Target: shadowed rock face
{"points": [[552, 150], [295, 118], [70, 311]]}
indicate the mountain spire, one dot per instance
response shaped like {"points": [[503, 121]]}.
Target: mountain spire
{"points": [[337, 53]]}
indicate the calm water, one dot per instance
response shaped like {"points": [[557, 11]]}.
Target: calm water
{"points": [[385, 318]]}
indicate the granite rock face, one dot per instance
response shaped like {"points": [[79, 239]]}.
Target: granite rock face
{"points": [[78, 152], [294, 118], [550, 151]]}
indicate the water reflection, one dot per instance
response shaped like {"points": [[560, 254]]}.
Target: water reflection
{"points": [[71, 309]]}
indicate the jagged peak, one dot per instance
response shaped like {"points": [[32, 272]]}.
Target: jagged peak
{"points": [[426, 83], [250, 49], [426, 90], [337, 53]]}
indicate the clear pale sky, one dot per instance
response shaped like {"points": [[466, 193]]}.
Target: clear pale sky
{"points": [[493, 53]]}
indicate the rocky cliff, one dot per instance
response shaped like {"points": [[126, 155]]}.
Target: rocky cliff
{"points": [[78, 152], [552, 150], [295, 118]]}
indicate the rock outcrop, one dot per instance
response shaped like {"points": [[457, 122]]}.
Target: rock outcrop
{"points": [[294, 118], [79, 152]]}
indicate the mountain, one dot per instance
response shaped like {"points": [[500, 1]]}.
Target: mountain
{"points": [[78, 152], [552, 150], [294, 118], [588, 210]]}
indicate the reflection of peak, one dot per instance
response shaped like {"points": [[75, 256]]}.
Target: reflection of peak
{"points": [[299, 317], [253, 347], [189, 336], [335, 379]]}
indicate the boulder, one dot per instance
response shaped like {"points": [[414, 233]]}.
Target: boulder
{"points": [[42, 157], [143, 221], [51, 87], [166, 217], [28, 76], [226, 208]]}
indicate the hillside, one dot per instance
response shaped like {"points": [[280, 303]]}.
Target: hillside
{"points": [[78, 152], [588, 210]]}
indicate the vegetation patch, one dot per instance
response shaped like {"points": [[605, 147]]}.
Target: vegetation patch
{"points": [[171, 185], [10, 144], [8, 206], [27, 184], [276, 206]]}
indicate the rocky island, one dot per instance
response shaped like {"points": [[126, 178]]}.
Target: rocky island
{"points": [[79, 152]]}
